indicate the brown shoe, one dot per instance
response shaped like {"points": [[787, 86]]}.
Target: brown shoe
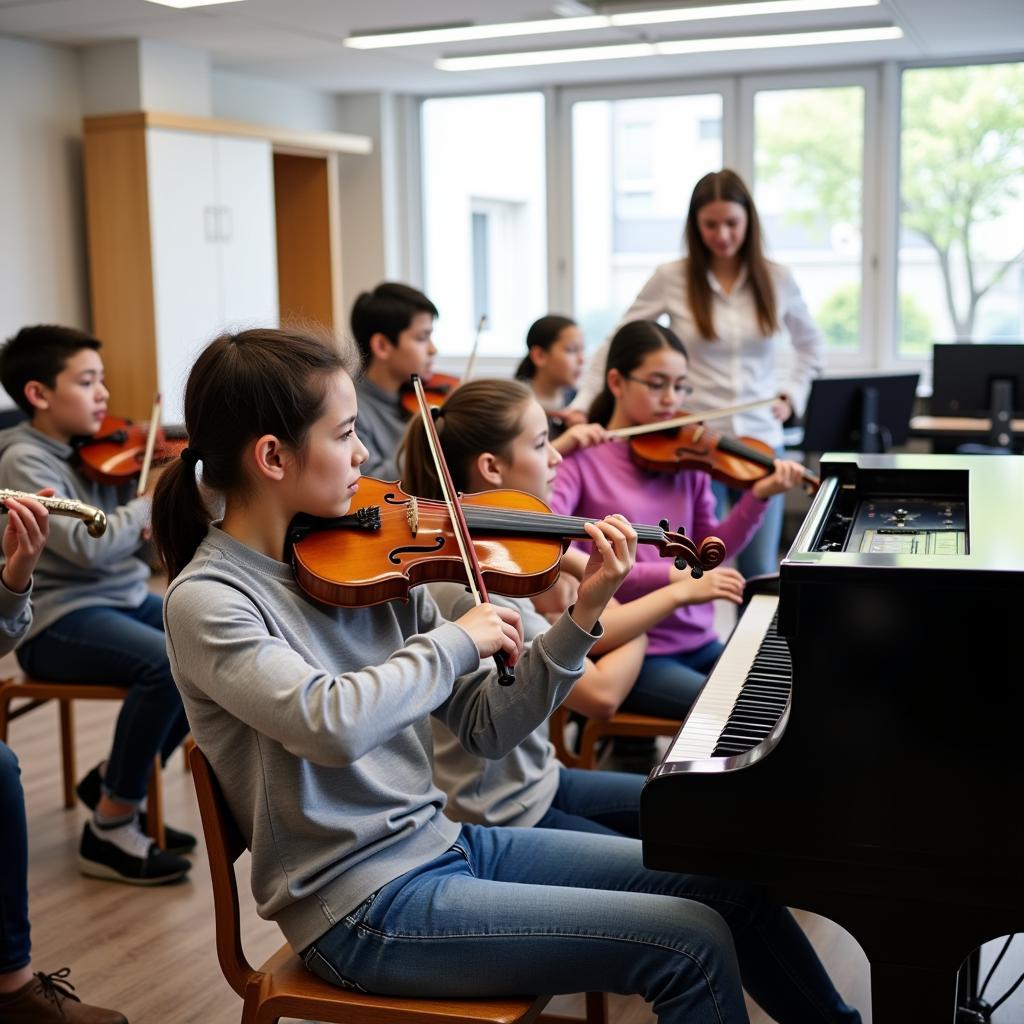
{"points": [[49, 999]]}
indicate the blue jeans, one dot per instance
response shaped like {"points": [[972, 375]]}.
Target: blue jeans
{"points": [[15, 945], [668, 684], [761, 553], [120, 647], [589, 801], [523, 910], [609, 802]]}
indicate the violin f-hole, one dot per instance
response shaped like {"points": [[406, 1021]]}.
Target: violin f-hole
{"points": [[415, 549]]}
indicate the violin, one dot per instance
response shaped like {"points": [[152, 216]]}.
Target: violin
{"points": [[116, 453], [438, 386], [738, 462], [391, 541]]}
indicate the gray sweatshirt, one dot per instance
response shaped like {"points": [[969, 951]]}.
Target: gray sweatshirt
{"points": [[316, 722], [15, 617], [381, 427], [515, 790], [76, 570]]}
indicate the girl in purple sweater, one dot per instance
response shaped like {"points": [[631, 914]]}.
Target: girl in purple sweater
{"points": [[645, 382]]}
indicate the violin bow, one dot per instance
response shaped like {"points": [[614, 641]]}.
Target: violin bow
{"points": [[690, 417], [474, 574], [471, 361], [147, 458]]}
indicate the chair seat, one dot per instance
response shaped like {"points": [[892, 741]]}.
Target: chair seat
{"points": [[295, 991]]}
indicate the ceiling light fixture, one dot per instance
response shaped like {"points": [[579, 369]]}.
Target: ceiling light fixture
{"points": [[192, 3], [504, 30], [492, 61]]}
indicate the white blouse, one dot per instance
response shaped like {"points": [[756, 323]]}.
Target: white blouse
{"points": [[741, 365]]}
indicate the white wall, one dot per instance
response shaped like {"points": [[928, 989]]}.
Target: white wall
{"points": [[236, 97], [42, 235]]}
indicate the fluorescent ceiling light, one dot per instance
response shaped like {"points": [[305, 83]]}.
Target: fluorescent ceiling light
{"points": [[491, 61], [192, 3], [504, 30]]}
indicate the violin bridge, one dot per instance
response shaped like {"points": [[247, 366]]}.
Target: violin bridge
{"points": [[412, 514]]}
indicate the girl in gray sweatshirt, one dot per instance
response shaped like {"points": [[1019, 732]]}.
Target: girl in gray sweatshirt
{"points": [[494, 435], [316, 721]]}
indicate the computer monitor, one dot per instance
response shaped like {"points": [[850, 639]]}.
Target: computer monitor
{"points": [[859, 414], [967, 380]]}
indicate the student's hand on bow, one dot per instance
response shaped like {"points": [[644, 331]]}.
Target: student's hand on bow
{"points": [[494, 628]]}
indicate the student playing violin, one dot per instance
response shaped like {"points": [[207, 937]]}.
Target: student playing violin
{"points": [[95, 620], [393, 325], [647, 381], [316, 722], [737, 313], [552, 367], [494, 435]]}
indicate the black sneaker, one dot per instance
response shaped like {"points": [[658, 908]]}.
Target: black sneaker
{"points": [[147, 864], [89, 791]]}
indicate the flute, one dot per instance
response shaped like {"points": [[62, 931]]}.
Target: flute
{"points": [[95, 519]]}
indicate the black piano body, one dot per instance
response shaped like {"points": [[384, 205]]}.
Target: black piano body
{"points": [[888, 796]]}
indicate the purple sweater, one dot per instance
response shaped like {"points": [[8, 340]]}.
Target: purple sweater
{"points": [[601, 480]]}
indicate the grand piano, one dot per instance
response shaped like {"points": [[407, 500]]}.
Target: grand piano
{"points": [[859, 747]]}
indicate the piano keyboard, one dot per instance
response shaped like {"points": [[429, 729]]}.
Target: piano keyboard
{"points": [[746, 694]]}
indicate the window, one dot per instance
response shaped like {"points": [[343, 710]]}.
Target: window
{"points": [[634, 165], [961, 244], [808, 189], [484, 220]]}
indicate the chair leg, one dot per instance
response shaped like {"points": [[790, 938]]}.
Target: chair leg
{"points": [[186, 750], [67, 750], [155, 805], [5, 707], [597, 1007]]}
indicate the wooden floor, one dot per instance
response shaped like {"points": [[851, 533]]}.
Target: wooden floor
{"points": [[150, 953]]}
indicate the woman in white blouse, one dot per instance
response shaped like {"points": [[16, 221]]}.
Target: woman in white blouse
{"points": [[733, 310]]}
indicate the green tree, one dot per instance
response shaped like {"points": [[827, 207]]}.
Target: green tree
{"points": [[962, 165], [839, 318]]}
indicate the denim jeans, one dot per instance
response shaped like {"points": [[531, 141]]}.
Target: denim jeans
{"points": [[15, 947], [761, 554], [668, 684], [590, 801], [525, 910], [120, 647]]}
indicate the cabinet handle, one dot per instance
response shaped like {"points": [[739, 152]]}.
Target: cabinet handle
{"points": [[227, 224]]}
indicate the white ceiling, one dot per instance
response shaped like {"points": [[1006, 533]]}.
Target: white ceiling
{"points": [[300, 41]]}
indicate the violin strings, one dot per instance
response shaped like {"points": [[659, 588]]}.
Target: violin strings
{"points": [[494, 518]]}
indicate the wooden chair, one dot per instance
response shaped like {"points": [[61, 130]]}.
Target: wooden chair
{"points": [[596, 729], [283, 987], [36, 693]]}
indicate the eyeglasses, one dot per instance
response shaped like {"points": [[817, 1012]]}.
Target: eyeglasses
{"points": [[657, 387]]}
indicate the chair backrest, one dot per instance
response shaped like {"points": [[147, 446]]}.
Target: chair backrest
{"points": [[224, 845]]}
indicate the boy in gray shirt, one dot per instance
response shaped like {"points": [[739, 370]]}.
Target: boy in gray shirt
{"points": [[393, 326]]}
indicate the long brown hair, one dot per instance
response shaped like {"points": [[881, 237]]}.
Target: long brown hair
{"points": [[478, 416], [728, 186], [242, 386], [632, 343]]}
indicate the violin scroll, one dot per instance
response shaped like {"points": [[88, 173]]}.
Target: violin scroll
{"points": [[676, 545]]}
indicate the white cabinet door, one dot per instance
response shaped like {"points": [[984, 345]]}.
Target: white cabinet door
{"points": [[245, 200], [186, 258]]}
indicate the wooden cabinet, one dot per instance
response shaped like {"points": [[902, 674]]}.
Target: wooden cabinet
{"points": [[188, 237]]}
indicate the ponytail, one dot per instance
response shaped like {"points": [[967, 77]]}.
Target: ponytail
{"points": [[180, 516], [242, 386], [479, 416]]}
